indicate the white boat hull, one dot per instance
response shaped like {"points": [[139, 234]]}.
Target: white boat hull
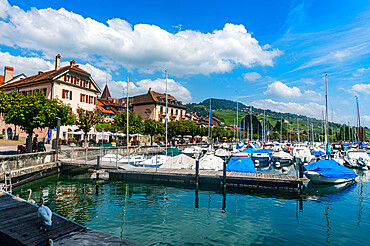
{"points": [[317, 178]]}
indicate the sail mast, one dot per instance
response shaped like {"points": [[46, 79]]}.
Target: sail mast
{"points": [[237, 116], [210, 119], [326, 110], [166, 111], [359, 124], [127, 122]]}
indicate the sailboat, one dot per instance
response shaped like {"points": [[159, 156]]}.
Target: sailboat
{"points": [[328, 171]]}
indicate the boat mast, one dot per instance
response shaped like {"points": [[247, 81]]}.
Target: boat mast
{"points": [[326, 111], [299, 140], [210, 119], [264, 124], [281, 128], [251, 123], [237, 116], [359, 124], [127, 122], [166, 110]]}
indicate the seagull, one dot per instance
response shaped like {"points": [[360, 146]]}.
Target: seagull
{"points": [[44, 213]]}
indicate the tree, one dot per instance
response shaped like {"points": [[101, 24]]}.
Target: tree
{"points": [[33, 111], [135, 122], [153, 127], [87, 119], [107, 127]]}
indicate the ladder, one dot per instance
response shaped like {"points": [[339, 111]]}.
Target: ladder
{"points": [[8, 178]]}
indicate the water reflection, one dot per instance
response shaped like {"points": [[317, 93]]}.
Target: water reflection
{"points": [[175, 215]]}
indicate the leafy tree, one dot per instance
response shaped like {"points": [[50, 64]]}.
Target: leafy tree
{"points": [[88, 119], [153, 127], [107, 127], [135, 122], [33, 111]]}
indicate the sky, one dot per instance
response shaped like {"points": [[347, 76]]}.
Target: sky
{"points": [[269, 54]]}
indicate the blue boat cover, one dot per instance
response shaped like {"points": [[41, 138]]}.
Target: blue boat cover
{"points": [[257, 146], [264, 151], [318, 153], [239, 146], [330, 168], [240, 164], [249, 150]]}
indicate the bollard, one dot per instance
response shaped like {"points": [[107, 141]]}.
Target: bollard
{"points": [[224, 200], [98, 163], [300, 170], [224, 175], [197, 173]]}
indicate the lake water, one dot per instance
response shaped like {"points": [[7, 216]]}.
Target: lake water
{"points": [[162, 215]]}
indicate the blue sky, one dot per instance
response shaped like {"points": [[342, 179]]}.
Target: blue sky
{"points": [[273, 53]]}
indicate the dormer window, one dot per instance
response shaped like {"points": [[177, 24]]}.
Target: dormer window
{"points": [[159, 99]]}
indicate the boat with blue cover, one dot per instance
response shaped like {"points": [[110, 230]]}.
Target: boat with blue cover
{"points": [[328, 171], [240, 164]]}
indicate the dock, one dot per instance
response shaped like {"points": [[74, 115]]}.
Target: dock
{"points": [[207, 177], [20, 225]]}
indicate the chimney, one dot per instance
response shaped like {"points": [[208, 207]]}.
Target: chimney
{"points": [[72, 63], [8, 73], [57, 62]]}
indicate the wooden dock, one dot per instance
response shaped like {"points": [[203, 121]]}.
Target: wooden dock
{"points": [[208, 177], [20, 225]]}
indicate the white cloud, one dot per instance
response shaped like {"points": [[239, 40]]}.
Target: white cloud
{"points": [[281, 90], [365, 120], [312, 96], [308, 109], [159, 85], [252, 76], [145, 47], [341, 54], [361, 88], [26, 65]]}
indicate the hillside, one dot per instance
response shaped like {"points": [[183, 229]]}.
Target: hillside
{"points": [[225, 110]]}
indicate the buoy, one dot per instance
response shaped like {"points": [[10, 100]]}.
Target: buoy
{"points": [[256, 163], [41, 188], [77, 196], [277, 164], [65, 192]]}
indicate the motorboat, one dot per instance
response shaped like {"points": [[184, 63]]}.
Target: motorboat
{"points": [[111, 158], [281, 157], [328, 171], [135, 160], [156, 160], [262, 155], [222, 152], [302, 154], [357, 159], [211, 162], [190, 151], [179, 162]]}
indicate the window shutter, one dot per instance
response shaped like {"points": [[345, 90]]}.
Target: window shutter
{"points": [[84, 83], [75, 80], [65, 77], [63, 93], [95, 100], [80, 97], [70, 95], [90, 84]]}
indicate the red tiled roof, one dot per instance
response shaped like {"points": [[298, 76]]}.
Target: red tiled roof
{"points": [[42, 77], [100, 106]]}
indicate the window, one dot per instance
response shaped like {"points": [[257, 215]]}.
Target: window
{"points": [[78, 82], [177, 111], [83, 98], [161, 109], [91, 100], [171, 110], [67, 94]]}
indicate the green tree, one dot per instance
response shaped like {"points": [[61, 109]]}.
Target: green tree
{"points": [[107, 127], [135, 122], [153, 128], [87, 119], [33, 111]]}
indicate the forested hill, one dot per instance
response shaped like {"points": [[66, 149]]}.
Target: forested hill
{"points": [[223, 109]]}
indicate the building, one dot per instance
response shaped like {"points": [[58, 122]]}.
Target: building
{"points": [[109, 106], [72, 85], [152, 105]]}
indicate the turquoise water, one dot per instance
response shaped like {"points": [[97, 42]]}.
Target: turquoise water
{"points": [[161, 215]]}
